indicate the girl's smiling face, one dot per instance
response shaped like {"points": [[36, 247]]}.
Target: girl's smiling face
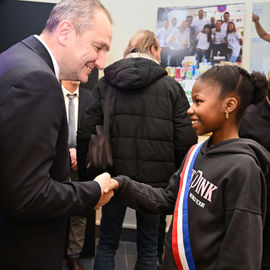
{"points": [[231, 26], [206, 30], [207, 111]]}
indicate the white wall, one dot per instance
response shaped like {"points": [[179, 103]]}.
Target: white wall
{"points": [[130, 16], [260, 49]]}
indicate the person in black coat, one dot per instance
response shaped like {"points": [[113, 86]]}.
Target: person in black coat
{"points": [[255, 125], [35, 192], [150, 134]]}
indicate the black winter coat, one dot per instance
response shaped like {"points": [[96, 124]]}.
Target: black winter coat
{"points": [[149, 127]]}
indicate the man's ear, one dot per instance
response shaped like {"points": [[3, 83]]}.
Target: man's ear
{"points": [[153, 50], [155, 53], [65, 32], [231, 104]]}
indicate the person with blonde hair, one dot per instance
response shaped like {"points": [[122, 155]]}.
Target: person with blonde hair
{"points": [[150, 133]]}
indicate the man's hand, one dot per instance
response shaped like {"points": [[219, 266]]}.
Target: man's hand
{"points": [[260, 31], [255, 18], [73, 157], [107, 186], [114, 184], [106, 182]]}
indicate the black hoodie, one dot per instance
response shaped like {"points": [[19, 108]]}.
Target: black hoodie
{"points": [[226, 220]]}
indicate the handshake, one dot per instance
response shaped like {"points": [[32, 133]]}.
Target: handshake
{"points": [[107, 185]]}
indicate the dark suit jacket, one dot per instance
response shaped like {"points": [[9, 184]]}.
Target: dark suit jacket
{"points": [[35, 195], [84, 102]]}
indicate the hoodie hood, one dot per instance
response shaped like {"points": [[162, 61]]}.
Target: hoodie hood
{"points": [[133, 73], [240, 146]]}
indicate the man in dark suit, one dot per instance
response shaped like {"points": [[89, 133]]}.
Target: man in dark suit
{"points": [[35, 192], [77, 100]]}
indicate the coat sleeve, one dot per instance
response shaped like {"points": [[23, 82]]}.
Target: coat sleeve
{"points": [[34, 153], [184, 135], [245, 206], [145, 198]]}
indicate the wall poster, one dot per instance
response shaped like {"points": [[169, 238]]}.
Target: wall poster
{"points": [[193, 39]]}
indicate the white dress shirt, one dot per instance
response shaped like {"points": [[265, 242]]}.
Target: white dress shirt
{"points": [[162, 35], [220, 37], [181, 41], [55, 65]]}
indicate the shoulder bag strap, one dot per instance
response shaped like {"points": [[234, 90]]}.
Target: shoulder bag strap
{"points": [[106, 120]]}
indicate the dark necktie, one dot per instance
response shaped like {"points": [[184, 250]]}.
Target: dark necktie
{"points": [[71, 121]]}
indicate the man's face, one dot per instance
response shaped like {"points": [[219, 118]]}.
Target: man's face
{"points": [[174, 22], [218, 25], [87, 50], [70, 84], [226, 17], [200, 14], [189, 20], [165, 24]]}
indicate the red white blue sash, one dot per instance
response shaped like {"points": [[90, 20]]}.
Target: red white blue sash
{"points": [[180, 232]]}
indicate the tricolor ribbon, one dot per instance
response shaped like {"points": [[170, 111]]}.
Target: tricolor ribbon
{"points": [[180, 233]]}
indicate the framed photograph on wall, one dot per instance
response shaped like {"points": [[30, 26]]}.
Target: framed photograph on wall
{"points": [[204, 32], [193, 39]]}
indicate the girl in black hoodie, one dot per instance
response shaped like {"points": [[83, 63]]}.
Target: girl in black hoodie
{"points": [[218, 219]]}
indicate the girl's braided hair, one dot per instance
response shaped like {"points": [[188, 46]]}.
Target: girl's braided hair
{"points": [[250, 88]]}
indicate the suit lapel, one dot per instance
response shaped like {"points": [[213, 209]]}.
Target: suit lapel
{"points": [[35, 45]]}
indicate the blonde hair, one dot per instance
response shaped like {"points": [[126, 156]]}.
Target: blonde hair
{"points": [[142, 42]]}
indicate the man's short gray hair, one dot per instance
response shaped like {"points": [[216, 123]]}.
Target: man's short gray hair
{"points": [[79, 12]]}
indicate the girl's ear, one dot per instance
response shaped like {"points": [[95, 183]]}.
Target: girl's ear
{"points": [[231, 104]]}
